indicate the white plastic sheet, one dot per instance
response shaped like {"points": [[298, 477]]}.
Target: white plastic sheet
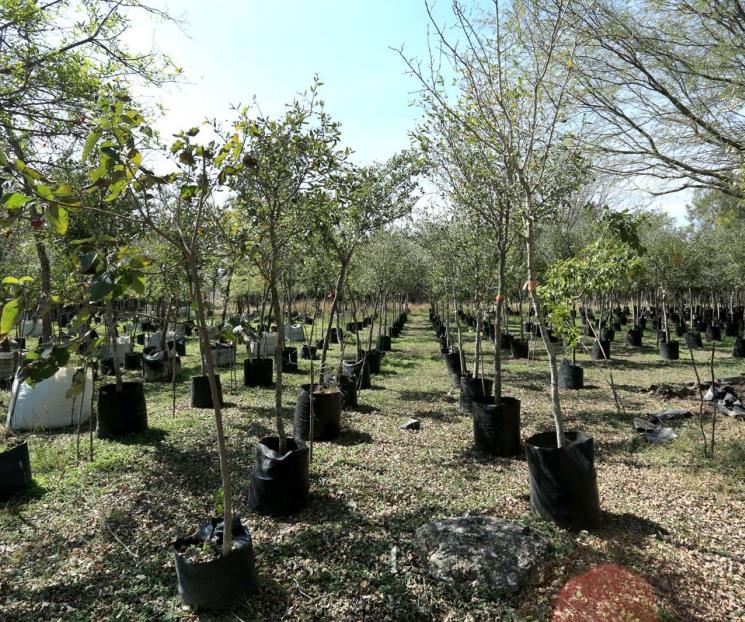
{"points": [[45, 406]]}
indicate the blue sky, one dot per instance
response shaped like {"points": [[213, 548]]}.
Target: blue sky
{"points": [[231, 50], [272, 48]]}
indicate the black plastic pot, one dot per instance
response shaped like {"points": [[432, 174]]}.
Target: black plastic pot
{"points": [[670, 350], [289, 359], [571, 376], [359, 369], [181, 347], [384, 343], [222, 583], [132, 361], [505, 341], [634, 338], [731, 329], [140, 339], [373, 360], [714, 333], [496, 427], [348, 388], [334, 336], [473, 390], [563, 484], [106, 367], [519, 348], [693, 340], [738, 351], [15, 471], [452, 361], [319, 344], [121, 413], [607, 334], [280, 483], [395, 330], [326, 414], [258, 372], [308, 352], [597, 353], [201, 396]]}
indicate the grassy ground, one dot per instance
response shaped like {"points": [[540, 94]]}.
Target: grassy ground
{"points": [[91, 540]]}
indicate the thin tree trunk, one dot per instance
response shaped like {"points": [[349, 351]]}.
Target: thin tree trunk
{"points": [[204, 342]]}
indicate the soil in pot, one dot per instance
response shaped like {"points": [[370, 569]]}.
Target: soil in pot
{"points": [[519, 348], [258, 372], [327, 407], [571, 376], [121, 413], [206, 579], [563, 484], [597, 353], [496, 427], [15, 470], [280, 483], [473, 390], [201, 395], [670, 350]]}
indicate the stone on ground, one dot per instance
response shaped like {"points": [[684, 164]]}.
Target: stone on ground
{"points": [[481, 552]]}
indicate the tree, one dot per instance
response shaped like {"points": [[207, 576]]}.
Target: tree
{"points": [[182, 219], [56, 58], [661, 84], [512, 72], [287, 161]]}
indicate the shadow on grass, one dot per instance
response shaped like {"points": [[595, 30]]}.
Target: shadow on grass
{"points": [[349, 438]]}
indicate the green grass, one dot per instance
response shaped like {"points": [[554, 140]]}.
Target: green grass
{"points": [[92, 540]]}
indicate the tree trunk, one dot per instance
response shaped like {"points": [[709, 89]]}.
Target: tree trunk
{"points": [[538, 309], [204, 344], [46, 288], [275, 306], [332, 313]]}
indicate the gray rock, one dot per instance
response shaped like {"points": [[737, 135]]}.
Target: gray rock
{"points": [[482, 552]]}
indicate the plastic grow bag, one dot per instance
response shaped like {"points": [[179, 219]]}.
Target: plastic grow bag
{"points": [[121, 413], [265, 346], [327, 408], [201, 394], [258, 372], [496, 427], [31, 328], [158, 366], [280, 483], [571, 376], [45, 406], [294, 332], [473, 390], [224, 582], [15, 471], [563, 484]]}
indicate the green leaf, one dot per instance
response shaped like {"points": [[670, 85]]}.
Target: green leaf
{"points": [[9, 316], [90, 142], [102, 286], [15, 200], [58, 216]]}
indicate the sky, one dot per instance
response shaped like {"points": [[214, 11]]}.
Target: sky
{"points": [[233, 50]]}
